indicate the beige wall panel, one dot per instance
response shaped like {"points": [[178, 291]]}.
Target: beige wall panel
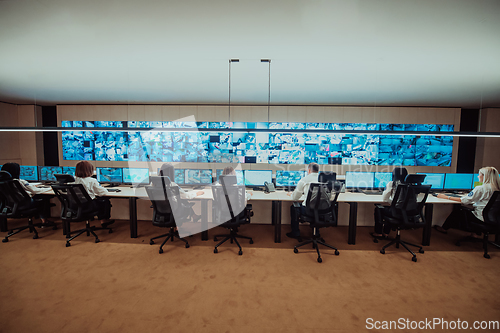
{"points": [[170, 112], [388, 115], [188, 111], [135, 112], [353, 114], [101, 112], [86, 112], [26, 116], [153, 113], [315, 114], [65, 112], [334, 114], [427, 115], [278, 114], [118, 112], [9, 116], [240, 113], [409, 116], [297, 114], [221, 113], [368, 115], [445, 116], [206, 113], [258, 113]]}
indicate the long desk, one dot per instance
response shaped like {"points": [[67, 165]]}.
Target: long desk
{"points": [[276, 198]]}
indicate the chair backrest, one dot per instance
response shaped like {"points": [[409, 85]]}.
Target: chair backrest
{"points": [[408, 203], [162, 211], [491, 212], [229, 200], [328, 177], [320, 205], [63, 178], [76, 204], [13, 197]]}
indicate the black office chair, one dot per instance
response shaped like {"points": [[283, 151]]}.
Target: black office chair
{"points": [[229, 205], [406, 213], [491, 224], [320, 213], [77, 206], [16, 203], [163, 196]]}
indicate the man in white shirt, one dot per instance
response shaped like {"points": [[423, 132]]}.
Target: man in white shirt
{"points": [[301, 191]]}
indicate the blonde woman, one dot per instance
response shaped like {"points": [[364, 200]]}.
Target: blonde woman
{"points": [[478, 198]]}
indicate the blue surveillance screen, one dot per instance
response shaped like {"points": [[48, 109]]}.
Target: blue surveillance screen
{"points": [[289, 178], [382, 179], [258, 177], [458, 181], [436, 180], [29, 173], [69, 171], [198, 176], [136, 175], [109, 175], [359, 179], [47, 173], [475, 180], [239, 176]]}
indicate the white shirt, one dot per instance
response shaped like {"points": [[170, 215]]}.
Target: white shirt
{"points": [[303, 187], [30, 189], [389, 192], [478, 198], [92, 186]]}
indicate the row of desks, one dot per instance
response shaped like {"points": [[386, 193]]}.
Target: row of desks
{"points": [[276, 198]]}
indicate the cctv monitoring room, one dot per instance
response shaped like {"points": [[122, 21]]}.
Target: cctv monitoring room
{"points": [[388, 111]]}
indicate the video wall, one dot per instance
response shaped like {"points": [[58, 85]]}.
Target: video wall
{"points": [[225, 146]]}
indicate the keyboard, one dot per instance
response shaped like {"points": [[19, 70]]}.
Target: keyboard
{"points": [[373, 192], [114, 190]]}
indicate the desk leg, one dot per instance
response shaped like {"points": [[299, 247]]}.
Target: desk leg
{"points": [[276, 220], [133, 216], [3, 224], [426, 234], [204, 220], [353, 221]]}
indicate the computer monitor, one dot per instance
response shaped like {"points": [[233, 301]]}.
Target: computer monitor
{"points": [[475, 180], [289, 178], [359, 180], [69, 170], [239, 176], [136, 176], [198, 176], [29, 173], [258, 177], [47, 173], [109, 175], [458, 181], [327, 177], [436, 180], [178, 176], [381, 179]]}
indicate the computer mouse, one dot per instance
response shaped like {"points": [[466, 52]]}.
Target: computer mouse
{"points": [[435, 194], [118, 190]]}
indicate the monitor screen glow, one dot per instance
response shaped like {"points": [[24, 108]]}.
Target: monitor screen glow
{"points": [[436, 180], [198, 176], [381, 179], [458, 181], [47, 173], [258, 177], [240, 178], [109, 175], [475, 180], [69, 171], [136, 175], [29, 173], [289, 178], [359, 179]]}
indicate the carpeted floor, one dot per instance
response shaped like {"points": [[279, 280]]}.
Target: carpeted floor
{"points": [[124, 285]]}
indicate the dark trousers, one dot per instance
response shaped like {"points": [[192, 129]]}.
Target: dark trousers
{"points": [[104, 206], [458, 219], [295, 212], [380, 226]]}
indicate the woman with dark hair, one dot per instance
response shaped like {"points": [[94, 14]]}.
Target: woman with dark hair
{"points": [[83, 175], [382, 230], [15, 171]]}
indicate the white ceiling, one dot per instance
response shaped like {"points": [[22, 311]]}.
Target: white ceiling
{"points": [[364, 52]]}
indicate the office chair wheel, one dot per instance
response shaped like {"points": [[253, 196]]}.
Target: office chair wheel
{"points": [[160, 251], [240, 252], [5, 240], [215, 239], [215, 250], [487, 256], [187, 245], [68, 244], [421, 251], [414, 259], [35, 236], [251, 241], [110, 231], [375, 240], [151, 242], [319, 259], [295, 251], [382, 251], [337, 252], [97, 240]]}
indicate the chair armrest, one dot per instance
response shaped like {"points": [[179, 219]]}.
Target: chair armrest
{"points": [[469, 208], [379, 206]]}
